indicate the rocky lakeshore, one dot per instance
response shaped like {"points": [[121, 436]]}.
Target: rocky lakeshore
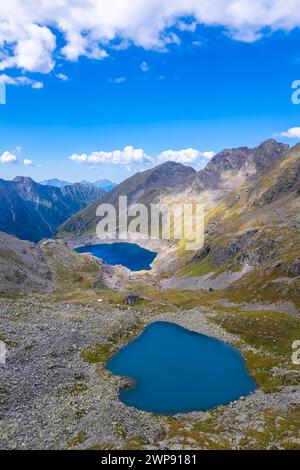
{"points": [[56, 394]]}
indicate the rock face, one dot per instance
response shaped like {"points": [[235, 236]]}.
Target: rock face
{"points": [[32, 211]]}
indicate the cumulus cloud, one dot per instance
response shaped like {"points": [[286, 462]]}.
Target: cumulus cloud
{"points": [[187, 156], [29, 29], [292, 133], [25, 43], [208, 155], [129, 155], [8, 157], [27, 162], [21, 81], [132, 157]]}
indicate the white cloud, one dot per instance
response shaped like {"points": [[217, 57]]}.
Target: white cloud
{"points": [[132, 157], [144, 67], [62, 77], [27, 162], [184, 26], [187, 156], [29, 29], [31, 43], [208, 155], [292, 133], [129, 155], [21, 81], [117, 80], [8, 157], [197, 43]]}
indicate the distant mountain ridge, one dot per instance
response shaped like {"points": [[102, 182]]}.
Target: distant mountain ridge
{"points": [[32, 211], [145, 187], [55, 182], [104, 184], [227, 171]]}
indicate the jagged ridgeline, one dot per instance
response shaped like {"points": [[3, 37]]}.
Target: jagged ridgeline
{"points": [[251, 201], [174, 182], [33, 211]]}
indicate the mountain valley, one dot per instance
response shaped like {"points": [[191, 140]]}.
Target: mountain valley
{"points": [[64, 314]]}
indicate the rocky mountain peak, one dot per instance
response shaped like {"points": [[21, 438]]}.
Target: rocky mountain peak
{"points": [[241, 164], [26, 180], [171, 173], [266, 154]]}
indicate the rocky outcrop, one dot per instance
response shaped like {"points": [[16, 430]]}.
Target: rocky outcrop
{"points": [[244, 248], [47, 267], [293, 268], [233, 167], [131, 299]]}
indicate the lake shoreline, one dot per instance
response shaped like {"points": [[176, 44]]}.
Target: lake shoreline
{"points": [[130, 255], [214, 372]]}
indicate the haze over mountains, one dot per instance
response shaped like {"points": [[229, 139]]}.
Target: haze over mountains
{"points": [[33, 211], [104, 184]]}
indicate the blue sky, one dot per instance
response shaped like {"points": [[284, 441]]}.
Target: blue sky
{"points": [[205, 92]]}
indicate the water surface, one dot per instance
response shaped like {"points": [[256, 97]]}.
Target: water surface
{"points": [[130, 255], [176, 370]]}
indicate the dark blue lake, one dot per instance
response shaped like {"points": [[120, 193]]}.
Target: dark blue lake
{"points": [[130, 255], [176, 370]]}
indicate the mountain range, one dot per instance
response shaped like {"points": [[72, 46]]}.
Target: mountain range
{"points": [[65, 314], [33, 211], [104, 184], [250, 195], [145, 187], [171, 181], [252, 201]]}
